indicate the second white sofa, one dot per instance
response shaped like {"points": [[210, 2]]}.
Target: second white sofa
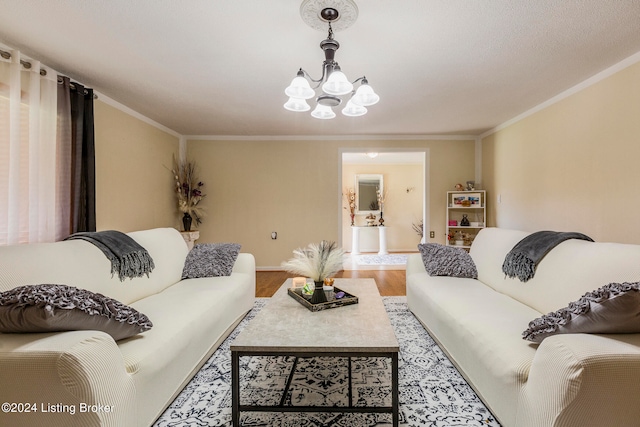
{"points": [[569, 380]]}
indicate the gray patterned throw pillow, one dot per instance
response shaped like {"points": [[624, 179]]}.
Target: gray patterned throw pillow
{"points": [[442, 260], [611, 309], [55, 308], [210, 260]]}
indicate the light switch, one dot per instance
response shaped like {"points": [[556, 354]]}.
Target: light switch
{"points": [[274, 235]]}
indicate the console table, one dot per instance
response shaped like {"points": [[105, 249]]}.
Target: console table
{"points": [[382, 239]]}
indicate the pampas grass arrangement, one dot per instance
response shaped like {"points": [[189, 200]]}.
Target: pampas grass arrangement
{"points": [[317, 261]]}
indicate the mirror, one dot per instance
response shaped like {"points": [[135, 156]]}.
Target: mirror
{"points": [[366, 186]]}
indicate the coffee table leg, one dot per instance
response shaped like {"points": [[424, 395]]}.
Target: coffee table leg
{"points": [[350, 386], [235, 389], [395, 390]]}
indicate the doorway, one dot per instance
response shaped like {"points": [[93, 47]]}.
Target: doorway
{"points": [[405, 210]]}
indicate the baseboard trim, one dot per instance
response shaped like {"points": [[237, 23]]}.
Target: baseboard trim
{"points": [[268, 268]]}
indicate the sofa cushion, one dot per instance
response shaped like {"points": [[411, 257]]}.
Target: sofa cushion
{"points": [[442, 260], [210, 260], [611, 309], [54, 308]]}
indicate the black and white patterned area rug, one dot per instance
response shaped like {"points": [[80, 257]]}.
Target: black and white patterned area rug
{"points": [[432, 392]]}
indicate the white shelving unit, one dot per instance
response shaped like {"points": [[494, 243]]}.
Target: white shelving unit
{"points": [[473, 205]]}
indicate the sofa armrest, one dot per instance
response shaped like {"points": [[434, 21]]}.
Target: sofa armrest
{"points": [[75, 378], [246, 263], [415, 264], [583, 379]]}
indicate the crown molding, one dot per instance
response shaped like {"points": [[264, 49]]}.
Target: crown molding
{"points": [[625, 63], [330, 137], [115, 104]]}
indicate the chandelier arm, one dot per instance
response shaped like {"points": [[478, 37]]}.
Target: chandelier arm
{"points": [[353, 92], [308, 76]]}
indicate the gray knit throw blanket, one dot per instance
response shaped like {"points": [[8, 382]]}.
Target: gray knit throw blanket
{"points": [[127, 257], [522, 260]]}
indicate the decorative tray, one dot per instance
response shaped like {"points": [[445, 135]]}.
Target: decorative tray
{"points": [[332, 301]]}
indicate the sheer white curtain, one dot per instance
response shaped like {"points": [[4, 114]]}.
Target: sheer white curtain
{"points": [[28, 154]]}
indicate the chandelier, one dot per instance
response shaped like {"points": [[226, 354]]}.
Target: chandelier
{"points": [[333, 82]]}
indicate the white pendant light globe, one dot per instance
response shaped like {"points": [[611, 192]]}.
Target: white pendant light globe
{"points": [[297, 104], [323, 112], [354, 110], [337, 83], [365, 96], [299, 88]]}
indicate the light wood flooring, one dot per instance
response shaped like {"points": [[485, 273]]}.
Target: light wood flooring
{"points": [[390, 282]]}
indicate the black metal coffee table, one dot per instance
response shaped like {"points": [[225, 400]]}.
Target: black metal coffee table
{"points": [[285, 328]]}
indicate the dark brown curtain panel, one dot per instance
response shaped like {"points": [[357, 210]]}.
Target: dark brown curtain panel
{"points": [[82, 162]]}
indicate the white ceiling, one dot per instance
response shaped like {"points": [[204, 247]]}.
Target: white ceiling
{"points": [[219, 67]]}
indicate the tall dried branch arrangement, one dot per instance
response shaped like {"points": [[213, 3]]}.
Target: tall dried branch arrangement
{"points": [[188, 188]]}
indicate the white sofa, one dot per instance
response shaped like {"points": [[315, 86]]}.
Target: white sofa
{"points": [[133, 380], [568, 380]]}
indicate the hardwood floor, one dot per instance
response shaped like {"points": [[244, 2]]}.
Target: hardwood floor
{"points": [[390, 282]]}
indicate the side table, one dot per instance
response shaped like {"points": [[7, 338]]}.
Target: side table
{"points": [[190, 237]]}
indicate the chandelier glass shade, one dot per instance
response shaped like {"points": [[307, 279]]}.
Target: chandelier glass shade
{"points": [[337, 83], [297, 104], [323, 112], [333, 84], [354, 110]]}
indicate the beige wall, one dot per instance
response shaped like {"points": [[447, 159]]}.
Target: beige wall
{"points": [[291, 187], [133, 184], [572, 166], [401, 210]]}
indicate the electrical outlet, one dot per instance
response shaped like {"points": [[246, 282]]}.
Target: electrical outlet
{"points": [[432, 234]]}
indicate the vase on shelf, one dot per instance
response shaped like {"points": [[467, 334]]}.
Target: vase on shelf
{"points": [[381, 220], [186, 221], [353, 216]]}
